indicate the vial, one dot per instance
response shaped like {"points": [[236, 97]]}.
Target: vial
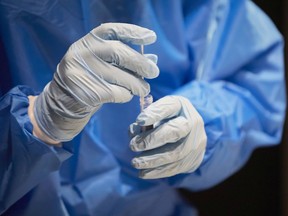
{"points": [[144, 103]]}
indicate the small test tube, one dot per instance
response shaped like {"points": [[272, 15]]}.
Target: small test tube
{"points": [[145, 101]]}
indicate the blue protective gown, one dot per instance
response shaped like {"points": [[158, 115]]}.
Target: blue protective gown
{"points": [[225, 56]]}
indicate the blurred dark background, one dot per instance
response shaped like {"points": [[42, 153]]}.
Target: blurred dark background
{"points": [[261, 187]]}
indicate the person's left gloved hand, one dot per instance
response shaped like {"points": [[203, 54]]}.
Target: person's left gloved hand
{"points": [[99, 68], [176, 144]]}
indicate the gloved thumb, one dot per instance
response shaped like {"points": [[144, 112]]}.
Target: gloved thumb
{"points": [[164, 108]]}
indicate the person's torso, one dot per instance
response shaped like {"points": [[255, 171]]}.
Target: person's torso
{"points": [[99, 177]]}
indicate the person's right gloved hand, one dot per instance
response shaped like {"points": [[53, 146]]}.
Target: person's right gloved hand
{"points": [[97, 69]]}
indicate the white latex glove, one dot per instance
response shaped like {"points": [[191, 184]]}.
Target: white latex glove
{"points": [[176, 144], [97, 69]]}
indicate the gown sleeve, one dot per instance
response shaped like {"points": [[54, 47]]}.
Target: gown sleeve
{"points": [[240, 94], [25, 160]]}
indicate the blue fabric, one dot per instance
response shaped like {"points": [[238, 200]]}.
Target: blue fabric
{"points": [[225, 56]]}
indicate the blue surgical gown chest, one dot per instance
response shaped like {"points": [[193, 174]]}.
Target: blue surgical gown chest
{"points": [[42, 33]]}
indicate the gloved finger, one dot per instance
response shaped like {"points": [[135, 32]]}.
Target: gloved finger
{"points": [[169, 132], [166, 154], [164, 108], [136, 85], [94, 89], [127, 33], [171, 169], [92, 48], [119, 94], [125, 57], [166, 170], [134, 129], [152, 57]]}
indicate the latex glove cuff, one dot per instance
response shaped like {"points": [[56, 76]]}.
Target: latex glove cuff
{"points": [[60, 115]]}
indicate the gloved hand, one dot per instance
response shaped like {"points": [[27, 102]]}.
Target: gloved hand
{"points": [[97, 69], [176, 144]]}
